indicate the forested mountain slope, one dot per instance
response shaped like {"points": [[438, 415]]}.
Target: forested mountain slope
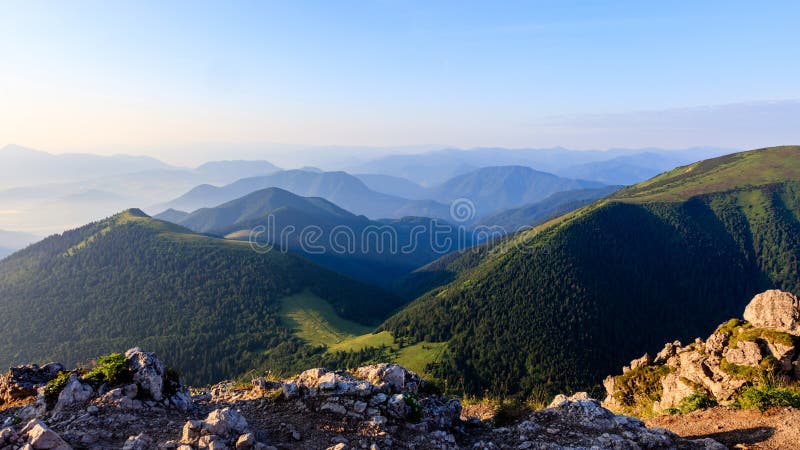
{"points": [[211, 304], [563, 304]]}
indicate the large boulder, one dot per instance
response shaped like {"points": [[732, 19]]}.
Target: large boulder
{"points": [[774, 310], [39, 437], [581, 422], [222, 429], [148, 373]]}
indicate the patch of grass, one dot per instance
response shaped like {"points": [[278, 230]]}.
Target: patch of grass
{"points": [[382, 339], [740, 372], [754, 168], [315, 321], [771, 336], [698, 400], [417, 357], [730, 326], [765, 397], [54, 387], [111, 368], [765, 368]]}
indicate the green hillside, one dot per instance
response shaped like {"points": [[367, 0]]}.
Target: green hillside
{"points": [[725, 173], [565, 304], [213, 306]]}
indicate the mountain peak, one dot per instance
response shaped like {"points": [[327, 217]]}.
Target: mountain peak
{"points": [[134, 212]]}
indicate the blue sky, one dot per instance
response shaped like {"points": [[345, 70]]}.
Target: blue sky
{"points": [[103, 76]]}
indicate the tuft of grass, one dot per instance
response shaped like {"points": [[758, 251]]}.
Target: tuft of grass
{"points": [[54, 387], [765, 397], [111, 368], [740, 372], [639, 385]]}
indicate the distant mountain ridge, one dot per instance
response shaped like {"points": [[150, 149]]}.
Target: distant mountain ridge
{"points": [[492, 189], [375, 252], [435, 167], [555, 205], [340, 188]]}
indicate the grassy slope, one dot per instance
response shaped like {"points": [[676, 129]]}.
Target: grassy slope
{"points": [[415, 357], [752, 168], [314, 320]]}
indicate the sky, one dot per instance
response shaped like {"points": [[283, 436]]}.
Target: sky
{"points": [[186, 80]]}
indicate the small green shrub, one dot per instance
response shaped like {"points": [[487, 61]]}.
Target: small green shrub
{"points": [[698, 400], [111, 368], [416, 408], [729, 326], [640, 384], [765, 397], [54, 387]]}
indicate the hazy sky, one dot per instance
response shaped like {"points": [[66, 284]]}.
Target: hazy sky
{"points": [[162, 77]]}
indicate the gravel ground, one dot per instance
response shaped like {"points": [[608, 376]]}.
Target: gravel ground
{"points": [[778, 428]]}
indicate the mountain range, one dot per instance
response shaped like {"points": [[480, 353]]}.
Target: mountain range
{"points": [[488, 190], [50, 193], [492, 189], [553, 307], [340, 188], [632, 165], [560, 203]]}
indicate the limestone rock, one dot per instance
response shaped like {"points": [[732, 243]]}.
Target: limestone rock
{"points": [[39, 437], [746, 353], [561, 398], [74, 392], [774, 310], [225, 422], [395, 377], [709, 367], [138, 442], [148, 372]]}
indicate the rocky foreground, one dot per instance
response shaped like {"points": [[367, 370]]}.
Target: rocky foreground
{"points": [[764, 348], [380, 406]]}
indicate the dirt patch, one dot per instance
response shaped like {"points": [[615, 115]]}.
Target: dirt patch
{"points": [[778, 428]]}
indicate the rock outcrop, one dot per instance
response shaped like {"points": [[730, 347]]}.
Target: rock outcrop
{"points": [[737, 354], [23, 382], [382, 406]]}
